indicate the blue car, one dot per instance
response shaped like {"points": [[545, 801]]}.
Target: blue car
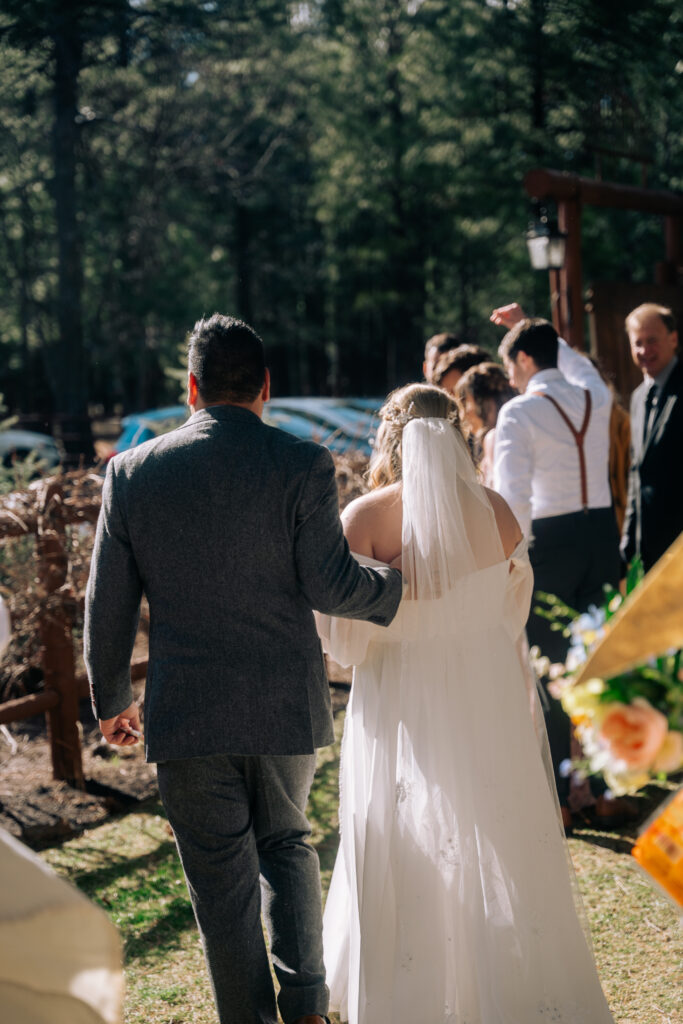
{"points": [[341, 424], [143, 426]]}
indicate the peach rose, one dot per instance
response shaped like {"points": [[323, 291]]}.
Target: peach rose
{"points": [[633, 732], [670, 755]]}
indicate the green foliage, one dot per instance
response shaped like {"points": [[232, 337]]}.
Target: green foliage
{"points": [[344, 174], [634, 574], [22, 472]]}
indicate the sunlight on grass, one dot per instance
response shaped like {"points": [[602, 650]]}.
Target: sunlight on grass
{"points": [[130, 867], [637, 936]]}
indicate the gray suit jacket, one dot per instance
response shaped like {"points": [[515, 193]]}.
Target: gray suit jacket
{"points": [[231, 529]]}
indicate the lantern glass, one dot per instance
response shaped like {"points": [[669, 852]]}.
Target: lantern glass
{"points": [[546, 245], [557, 247], [538, 251]]}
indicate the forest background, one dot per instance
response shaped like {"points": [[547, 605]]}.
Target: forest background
{"points": [[345, 175]]}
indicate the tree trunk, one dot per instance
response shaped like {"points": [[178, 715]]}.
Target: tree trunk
{"points": [[538, 48], [242, 230], [70, 382]]}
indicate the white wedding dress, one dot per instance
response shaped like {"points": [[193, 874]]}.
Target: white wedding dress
{"points": [[451, 900]]}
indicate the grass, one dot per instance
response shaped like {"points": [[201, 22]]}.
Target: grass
{"points": [[130, 867]]}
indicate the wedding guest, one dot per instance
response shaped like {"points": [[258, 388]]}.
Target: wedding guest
{"points": [[655, 505], [551, 466], [481, 393], [434, 348], [452, 364]]}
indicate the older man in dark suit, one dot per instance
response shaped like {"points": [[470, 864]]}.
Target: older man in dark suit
{"points": [[231, 530], [655, 510]]}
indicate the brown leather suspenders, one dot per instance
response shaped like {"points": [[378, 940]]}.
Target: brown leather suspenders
{"points": [[578, 436]]}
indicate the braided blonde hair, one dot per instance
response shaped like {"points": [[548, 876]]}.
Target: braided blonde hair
{"points": [[415, 401]]}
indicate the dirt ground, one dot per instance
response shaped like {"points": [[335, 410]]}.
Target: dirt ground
{"points": [[40, 811]]}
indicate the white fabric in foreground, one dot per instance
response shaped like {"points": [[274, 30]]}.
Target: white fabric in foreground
{"points": [[5, 626], [451, 900], [60, 956]]}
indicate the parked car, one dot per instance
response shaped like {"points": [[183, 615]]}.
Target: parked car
{"points": [[342, 424], [17, 445], [143, 426]]}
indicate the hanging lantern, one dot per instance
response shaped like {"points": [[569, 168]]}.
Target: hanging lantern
{"points": [[547, 245]]}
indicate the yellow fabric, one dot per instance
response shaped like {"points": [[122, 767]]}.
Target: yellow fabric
{"points": [[649, 622]]}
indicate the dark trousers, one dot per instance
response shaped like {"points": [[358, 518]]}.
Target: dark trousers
{"points": [[573, 556], [241, 832]]}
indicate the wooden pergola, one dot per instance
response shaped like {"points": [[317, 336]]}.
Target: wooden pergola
{"points": [[571, 193]]}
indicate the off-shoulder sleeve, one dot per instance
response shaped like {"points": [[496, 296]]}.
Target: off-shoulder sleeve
{"points": [[520, 587], [347, 640]]}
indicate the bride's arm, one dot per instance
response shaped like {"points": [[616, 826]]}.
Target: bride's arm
{"points": [[356, 526]]}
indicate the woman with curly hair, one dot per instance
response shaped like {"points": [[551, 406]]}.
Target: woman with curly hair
{"points": [[480, 393]]}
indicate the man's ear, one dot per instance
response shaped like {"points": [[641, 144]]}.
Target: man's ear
{"points": [[265, 394], [525, 361], [192, 390]]}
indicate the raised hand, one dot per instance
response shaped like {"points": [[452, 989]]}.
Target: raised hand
{"points": [[508, 316]]}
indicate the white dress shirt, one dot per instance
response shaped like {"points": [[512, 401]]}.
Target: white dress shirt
{"points": [[536, 462]]}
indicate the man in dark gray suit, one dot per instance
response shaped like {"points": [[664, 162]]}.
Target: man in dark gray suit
{"points": [[654, 516], [231, 530]]}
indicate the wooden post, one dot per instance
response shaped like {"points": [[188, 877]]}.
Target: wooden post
{"points": [[59, 668], [571, 285], [556, 304], [571, 193], [667, 271]]}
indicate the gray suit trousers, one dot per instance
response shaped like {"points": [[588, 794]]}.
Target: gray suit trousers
{"points": [[241, 831]]}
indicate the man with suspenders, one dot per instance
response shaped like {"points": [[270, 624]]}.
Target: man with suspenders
{"points": [[551, 465]]}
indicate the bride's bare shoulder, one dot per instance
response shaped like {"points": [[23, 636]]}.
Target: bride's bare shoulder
{"points": [[368, 517], [508, 527]]}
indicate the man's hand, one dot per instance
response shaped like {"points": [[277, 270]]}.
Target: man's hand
{"points": [[123, 730], [508, 316]]}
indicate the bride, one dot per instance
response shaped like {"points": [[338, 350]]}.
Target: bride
{"points": [[451, 900]]}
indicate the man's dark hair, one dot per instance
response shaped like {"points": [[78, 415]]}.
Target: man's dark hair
{"points": [[536, 337], [462, 358], [228, 360], [441, 343]]}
